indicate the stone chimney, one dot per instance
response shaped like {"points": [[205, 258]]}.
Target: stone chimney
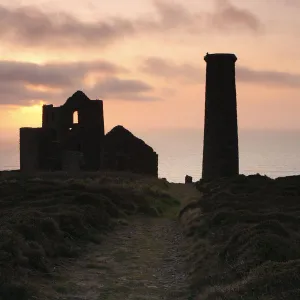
{"points": [[220, 148]]}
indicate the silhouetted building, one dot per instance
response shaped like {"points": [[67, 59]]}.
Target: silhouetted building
{"points": [[220, 149], [126, 152], [72, 139]]}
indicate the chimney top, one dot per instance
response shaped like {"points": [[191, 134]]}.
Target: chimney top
{"points": [[220, 56]]}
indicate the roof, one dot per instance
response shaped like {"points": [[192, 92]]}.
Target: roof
{"points": [[119, 135]]}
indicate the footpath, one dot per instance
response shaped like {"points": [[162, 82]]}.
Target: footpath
{"points": [[140, 260]]}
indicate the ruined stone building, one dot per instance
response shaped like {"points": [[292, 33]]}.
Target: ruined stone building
{"points": [[124, 151], [72, 138], [220, 148]]}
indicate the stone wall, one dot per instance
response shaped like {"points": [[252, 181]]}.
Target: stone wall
{"points": [[49, 150], [72, 161], [39, 150], [88, 135], [43, 148], [29, 149]]}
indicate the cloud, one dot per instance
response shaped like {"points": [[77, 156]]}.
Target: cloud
{"points": [[55, 75], [15, 93], [30, 27], [188, 73], [137, 97], [28, 83], [167, 69], [115, 85], [294, 3], [123, 89], [224, 17], [227, 16], [286, 79], [170, 16]]}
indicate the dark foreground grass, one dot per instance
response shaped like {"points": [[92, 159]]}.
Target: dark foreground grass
{"points": [[49, 218], [244, 237]]}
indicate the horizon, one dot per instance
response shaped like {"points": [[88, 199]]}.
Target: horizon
{"points": [[273, 153], [51, 49]]}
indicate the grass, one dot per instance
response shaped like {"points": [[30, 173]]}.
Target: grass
{"points": [[244, 238], [47, 218]]}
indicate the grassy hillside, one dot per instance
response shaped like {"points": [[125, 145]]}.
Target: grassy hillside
{"points": [[244, 238], [48, 218]]}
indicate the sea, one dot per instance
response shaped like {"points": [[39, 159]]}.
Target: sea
{"points": [[274, 153]]}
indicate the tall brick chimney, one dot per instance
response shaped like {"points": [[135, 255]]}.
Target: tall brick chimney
{"points": [[220, 149]]}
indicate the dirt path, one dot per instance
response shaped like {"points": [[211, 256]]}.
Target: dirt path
{"points": [[138, 261], [184, 192], [142, 260]]}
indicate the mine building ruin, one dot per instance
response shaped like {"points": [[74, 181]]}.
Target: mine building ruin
{"points": [[220, 148], [124, 151], [72, 138]]}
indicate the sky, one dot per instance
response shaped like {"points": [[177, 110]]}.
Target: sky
{"points": [[144, 59]]}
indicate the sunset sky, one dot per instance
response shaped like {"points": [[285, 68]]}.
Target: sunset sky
{"points": [[145, 60]]}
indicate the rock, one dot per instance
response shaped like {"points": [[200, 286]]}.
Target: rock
{"points": [[188, 179]]}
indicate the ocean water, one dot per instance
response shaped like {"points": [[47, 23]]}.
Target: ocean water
{"points": [[270, 152]]}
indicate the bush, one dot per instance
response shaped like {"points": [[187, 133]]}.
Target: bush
{"points": [[246, 244], [52, 216]]}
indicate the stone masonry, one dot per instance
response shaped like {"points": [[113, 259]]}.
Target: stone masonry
{"points": [[64, 143], [220, 149]]}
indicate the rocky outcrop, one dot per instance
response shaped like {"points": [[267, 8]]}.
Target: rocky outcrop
{"points": [[188, 179]]}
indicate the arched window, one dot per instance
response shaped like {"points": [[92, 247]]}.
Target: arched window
{"points": [[75, 117]]}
